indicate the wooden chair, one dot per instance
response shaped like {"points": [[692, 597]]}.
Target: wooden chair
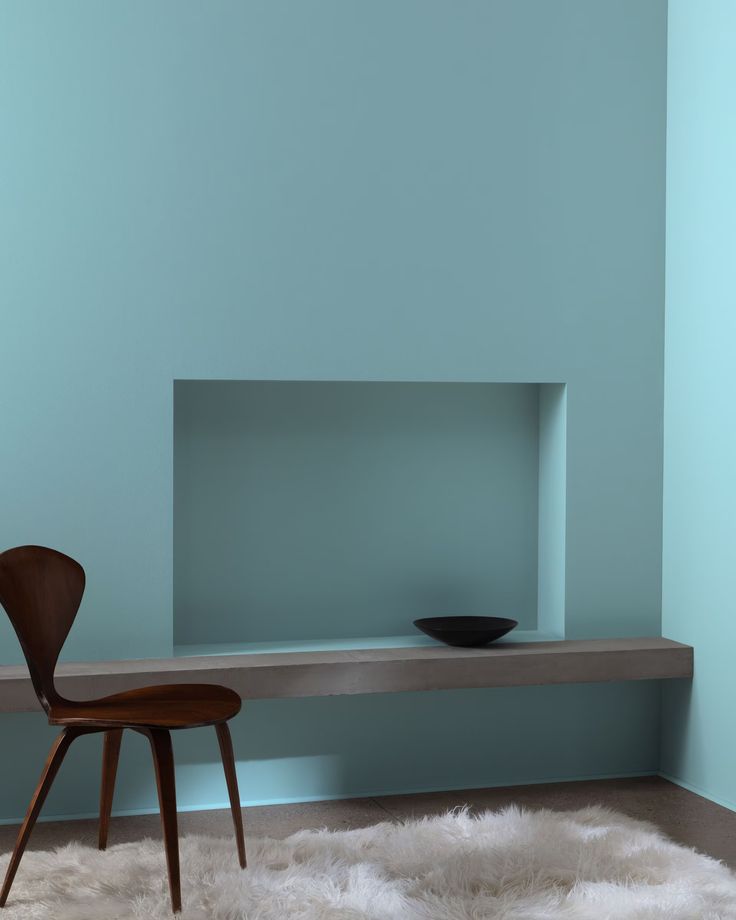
{"points": [[41, 590]]}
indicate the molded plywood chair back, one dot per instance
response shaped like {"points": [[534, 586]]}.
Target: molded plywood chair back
{"points": [[41, 590]]}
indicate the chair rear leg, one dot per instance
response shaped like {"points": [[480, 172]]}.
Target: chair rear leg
{"points": [[51, 768], [163, 759], [228, 762], [110, 755]]}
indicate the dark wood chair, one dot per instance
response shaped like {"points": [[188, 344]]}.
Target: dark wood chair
{"points": [[41, 590]]}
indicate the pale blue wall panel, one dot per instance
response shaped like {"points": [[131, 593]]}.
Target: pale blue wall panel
{"points": [[699, 575], [327, 190]]}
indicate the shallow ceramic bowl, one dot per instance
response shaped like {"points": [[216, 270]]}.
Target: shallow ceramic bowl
{"points": [[466, 632]]}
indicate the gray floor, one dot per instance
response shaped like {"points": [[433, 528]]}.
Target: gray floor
{"points": [[686, 817]]}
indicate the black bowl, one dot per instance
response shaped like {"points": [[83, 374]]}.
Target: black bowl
{"points": [[466, 632]]}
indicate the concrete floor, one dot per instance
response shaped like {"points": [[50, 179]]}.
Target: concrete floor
{"points": [[684, 816]]}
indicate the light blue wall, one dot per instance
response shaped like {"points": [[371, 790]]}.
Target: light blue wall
{"points": [[332, 190], [699, 577]]}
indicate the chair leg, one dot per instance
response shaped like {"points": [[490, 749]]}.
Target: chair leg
{"points": [[228, 762], [163, 759], [51, 768], [110, 755]]}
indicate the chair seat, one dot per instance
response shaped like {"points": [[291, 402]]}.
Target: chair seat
{"points": [[170, 706]]}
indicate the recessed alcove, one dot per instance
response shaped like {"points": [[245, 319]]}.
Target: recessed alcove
{"points": [[330, 514]]}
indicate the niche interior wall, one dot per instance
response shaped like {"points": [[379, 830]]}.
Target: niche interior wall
{"points": [[331, 191]]}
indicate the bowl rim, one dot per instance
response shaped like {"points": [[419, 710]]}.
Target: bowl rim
{"points": [[471, 624]]}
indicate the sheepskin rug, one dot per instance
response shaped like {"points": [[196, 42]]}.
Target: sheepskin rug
{"points": [[508, 865]]}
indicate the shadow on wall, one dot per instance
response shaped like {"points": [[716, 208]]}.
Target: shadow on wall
{"points": [[374, 744]]}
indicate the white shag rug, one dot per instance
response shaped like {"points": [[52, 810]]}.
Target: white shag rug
{"points": [[508, 865]]}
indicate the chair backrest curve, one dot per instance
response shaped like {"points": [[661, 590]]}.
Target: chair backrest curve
{"points": [[41, 590]]}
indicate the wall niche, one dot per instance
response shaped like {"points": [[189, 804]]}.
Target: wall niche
{"points": [[333, 513]]}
